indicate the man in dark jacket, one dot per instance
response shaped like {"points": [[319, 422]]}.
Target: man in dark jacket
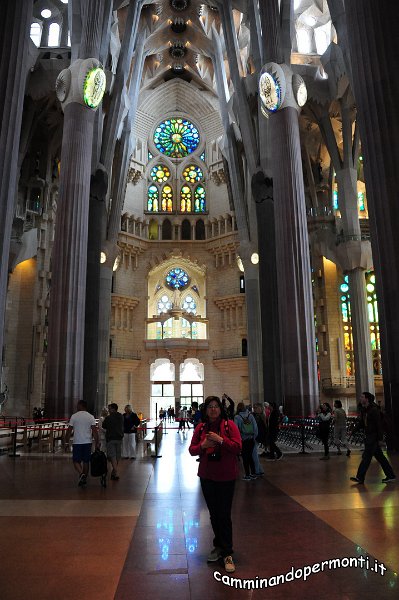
{"points": [[373, 433], [113, 425]]}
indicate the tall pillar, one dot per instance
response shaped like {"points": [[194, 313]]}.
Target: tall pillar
{"points": [[15, 20], [296, 313], [364, 376], [376, 90], [80, 89], [347, 193]]}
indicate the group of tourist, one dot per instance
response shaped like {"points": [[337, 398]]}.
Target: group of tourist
{"points": [[115, 435], [220, 436]]}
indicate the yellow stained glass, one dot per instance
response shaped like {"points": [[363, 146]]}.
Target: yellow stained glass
{"points": [[167, 198]]}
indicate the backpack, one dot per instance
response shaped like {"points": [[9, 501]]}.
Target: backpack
{"points": [[98, 464], [247, 427]]}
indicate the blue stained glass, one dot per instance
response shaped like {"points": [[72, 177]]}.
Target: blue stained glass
{"points": [[177, 278], [202, 157], [153, 199], [199, 199], [176, 137], [360, 200], [335, 200]]}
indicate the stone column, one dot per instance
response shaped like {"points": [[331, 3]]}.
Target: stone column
{"points": [[64, 374], [297, 335], [376, 90], [15, 20]]}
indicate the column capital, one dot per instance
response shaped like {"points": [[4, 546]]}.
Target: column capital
{"points": [[279, 88], [83, 82]]}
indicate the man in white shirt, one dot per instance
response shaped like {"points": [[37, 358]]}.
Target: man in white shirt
{"points": [[84, 428]]}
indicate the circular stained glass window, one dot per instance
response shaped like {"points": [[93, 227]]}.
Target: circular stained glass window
{"points": [[176, 137], [177, 279], [160, 173], [193, 174]]}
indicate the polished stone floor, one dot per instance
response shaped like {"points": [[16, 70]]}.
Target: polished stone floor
{"points": [[148, 534]]}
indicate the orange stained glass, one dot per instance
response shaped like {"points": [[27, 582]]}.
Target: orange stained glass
{"points": [[167, 198], [185, 199]]}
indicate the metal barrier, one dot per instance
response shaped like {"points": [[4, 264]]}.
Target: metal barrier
{"points": [[301, 433]]}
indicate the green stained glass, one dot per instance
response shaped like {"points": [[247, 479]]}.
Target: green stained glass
{"points": [[199, 199], [185, 199], [360, 201], [160, 173], [153, 199], [176, 137], [193, 174]]}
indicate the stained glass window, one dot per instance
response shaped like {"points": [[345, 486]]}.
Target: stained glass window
{"points": [[167, 198], [335, 200], [164, 304], [372, 308], [202, 157], [193, 174], [150, 156], [176, 137], [177, 278], [199, 199], [346, 318], [189, 305], [160, 173], [360, 201], [373, 321], [185, 199], [153, 199]]}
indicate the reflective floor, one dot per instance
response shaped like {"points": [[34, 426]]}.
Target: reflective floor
{"points": [[299, 532]]}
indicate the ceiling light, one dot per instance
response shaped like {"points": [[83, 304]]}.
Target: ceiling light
{"points": [[46, 13]]}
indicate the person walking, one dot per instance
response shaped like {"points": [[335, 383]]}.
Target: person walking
{"points": [[217, 442], [248, 429], [324, 417], [130, 424], [340, 438], [101, 431], [274, 417], [373, 435], [84, 428], [113, 425]]}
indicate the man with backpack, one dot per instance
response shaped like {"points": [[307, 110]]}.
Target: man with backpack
{"points": [[248, 429]]}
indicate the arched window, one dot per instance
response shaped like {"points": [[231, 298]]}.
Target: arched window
{"points": [[153, 230], [186, 230], [54, 34], [166, 230], [185, 199], [153, 199], [199, 199], [174, 188], [167, 198], [200, 230], [36, 34]]}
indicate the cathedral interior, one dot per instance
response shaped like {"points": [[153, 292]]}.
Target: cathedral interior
{"points": [[198, 198]]}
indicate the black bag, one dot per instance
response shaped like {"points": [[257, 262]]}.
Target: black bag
{"points": [[98, 464]]}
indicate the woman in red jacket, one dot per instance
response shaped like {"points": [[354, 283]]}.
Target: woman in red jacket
{"points": [[217, 441]]}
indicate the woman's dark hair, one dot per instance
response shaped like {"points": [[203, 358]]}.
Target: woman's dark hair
{"points": [[216, 399], [338, 404], [240, 407], [370, 397]]}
